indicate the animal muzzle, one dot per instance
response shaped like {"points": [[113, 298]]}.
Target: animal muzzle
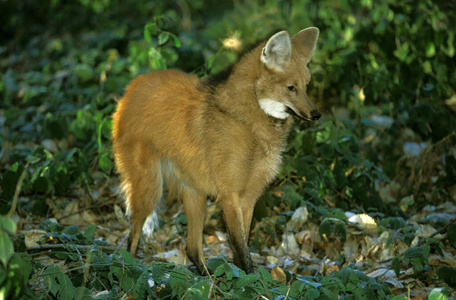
{"points": [[315, 115], [312, 116]]}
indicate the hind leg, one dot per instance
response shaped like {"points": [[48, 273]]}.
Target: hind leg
{"points": [[144, 188], [195, 210]]}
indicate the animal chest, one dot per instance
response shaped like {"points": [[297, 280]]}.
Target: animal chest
{"points": [[268, 161]]}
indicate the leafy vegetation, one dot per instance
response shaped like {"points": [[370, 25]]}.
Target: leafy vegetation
{"points": [[362, 209]]}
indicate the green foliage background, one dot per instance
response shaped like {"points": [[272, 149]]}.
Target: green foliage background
{"points": [[383, 75]]}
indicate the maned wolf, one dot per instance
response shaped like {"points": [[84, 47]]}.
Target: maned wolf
{"points": [[219, 137]]}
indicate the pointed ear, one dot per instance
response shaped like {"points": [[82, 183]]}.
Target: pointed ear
{"points": [[306, 40], [277, 51]]}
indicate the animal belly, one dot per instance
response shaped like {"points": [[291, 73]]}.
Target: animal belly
{"points": [[180, 175]]}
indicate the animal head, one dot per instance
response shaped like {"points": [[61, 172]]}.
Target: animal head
{"points": [[282, 86]]}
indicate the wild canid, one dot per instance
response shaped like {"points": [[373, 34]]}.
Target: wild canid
{"points": [[219, 137]]}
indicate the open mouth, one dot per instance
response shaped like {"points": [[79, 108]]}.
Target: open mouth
{"points": [[305, 117]]}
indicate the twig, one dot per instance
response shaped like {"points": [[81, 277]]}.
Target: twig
{"points": [[122, 242], [442, 229], [97, 206], [17, 192], [80, 247]]}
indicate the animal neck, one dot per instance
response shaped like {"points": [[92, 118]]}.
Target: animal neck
{"points": [[237, 96], [237, 99]]}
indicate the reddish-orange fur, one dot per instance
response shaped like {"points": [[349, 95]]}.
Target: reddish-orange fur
{"points": [[170, 128]]}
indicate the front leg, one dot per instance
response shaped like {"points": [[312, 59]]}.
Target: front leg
{"points": [[237, 212]]}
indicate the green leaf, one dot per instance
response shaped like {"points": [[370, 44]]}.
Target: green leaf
{"points": [[347, 275], [156, 59], [448, 275], [265, 275], [140, 284], [104, 130], [6, 248], [62, 181], [132, 277], [9, 181], [418, 263], [323, 136], [17, 277], [41, 184], [330, 293], [309, 282], [327, 150], [430, 49], [340, 231], [126, 256], [84, 72], [163, 38], [90, 232], [413, 252], [437, 294], [297, 287], [49, 225], [396, 265], [105, 163], [451, 234], [154, 54], [246, 280], [177, 42], [400, 297], [199, 291], [450, 50], [312, 294], [313, 193], [82, 293], [7, 224], [182, 219], [397, 223], [180, 281], [325, 227], [170, 55], [231, 271], [149, 30], [402, 52], [58, 283], [215, 265]]}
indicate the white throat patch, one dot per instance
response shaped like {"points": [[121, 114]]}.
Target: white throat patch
{"points": [[274, 108]]}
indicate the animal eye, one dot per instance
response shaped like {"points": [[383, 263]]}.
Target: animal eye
{"points": [[291, 88]]}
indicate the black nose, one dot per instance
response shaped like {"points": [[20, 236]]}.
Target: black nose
{"points": [[315, 115]]}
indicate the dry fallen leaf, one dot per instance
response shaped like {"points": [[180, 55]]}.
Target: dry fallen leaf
{"points": [[70, 213], [32, 237], [351, 248], [388, 276], [331, 268], [447, 259], [211, 239], [271, 260], [425, 231], [289, 245], [298, 219], [278, 274], [365, 222], [176, 256]]}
